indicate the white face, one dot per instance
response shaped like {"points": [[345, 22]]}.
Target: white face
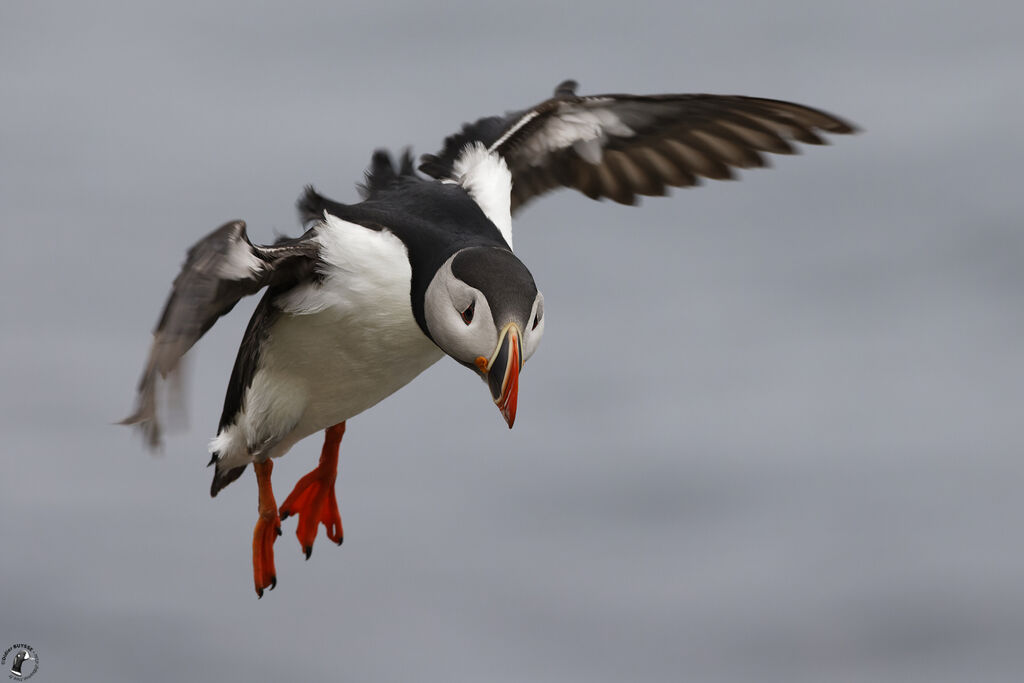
{"points": [[460, 319]]}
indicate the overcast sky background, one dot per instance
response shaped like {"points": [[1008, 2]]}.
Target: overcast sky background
{"points": [[773, 432]]}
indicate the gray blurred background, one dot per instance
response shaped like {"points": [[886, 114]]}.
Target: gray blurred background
{"points": [[772, 434]]}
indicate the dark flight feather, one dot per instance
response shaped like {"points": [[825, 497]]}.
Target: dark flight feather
{"points": [[621, 146], [219, 270]]}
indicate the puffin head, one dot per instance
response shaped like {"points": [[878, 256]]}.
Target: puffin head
{"points": [[483, 309]]}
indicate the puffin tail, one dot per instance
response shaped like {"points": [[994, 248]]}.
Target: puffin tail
{"points": [[223, 477], [385, 173], [312, 206]]}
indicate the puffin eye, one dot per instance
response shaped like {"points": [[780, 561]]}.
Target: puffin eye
{"points": [[467, 315]]}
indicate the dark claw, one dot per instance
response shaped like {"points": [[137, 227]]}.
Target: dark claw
{"points": [[259, 593], [285, 515], [308, 550], [278, 530], [341, 540], [273, 582]]}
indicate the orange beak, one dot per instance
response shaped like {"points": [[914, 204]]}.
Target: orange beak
{"points": [[502, 371]]}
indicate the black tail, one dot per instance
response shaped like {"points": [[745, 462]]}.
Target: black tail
{"points": [[383, 174], [222, 478], [312, 205]]}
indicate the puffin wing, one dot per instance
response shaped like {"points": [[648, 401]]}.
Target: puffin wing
{"points": [[219, 270], [621, 146]]}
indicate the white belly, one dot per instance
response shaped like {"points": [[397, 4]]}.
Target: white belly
{"points": [[316, 371], [338, 349], [337, 368]]}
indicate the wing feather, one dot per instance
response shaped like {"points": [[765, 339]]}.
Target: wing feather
{"points": [[219, 270], [620, 146]]}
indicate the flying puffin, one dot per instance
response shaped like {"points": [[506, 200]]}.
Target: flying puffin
{"points": [[374, 293]]}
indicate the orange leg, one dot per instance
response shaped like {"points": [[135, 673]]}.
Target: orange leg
{"points": [[268, 528], [313, 498]]}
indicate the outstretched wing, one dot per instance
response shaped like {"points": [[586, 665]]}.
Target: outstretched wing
{"points": [[621, 146], [219, 270]]}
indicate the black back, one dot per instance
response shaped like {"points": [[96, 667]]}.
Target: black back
{"points": [[432, 219]]}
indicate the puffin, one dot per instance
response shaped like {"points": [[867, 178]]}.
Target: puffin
{"points": [[375, 292]]}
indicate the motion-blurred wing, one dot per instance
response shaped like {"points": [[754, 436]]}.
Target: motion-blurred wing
{"points": [[219, 270], [621, 146]]}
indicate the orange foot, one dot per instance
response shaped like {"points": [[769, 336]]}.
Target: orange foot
{"points": [[268, 528], [313, 498]]}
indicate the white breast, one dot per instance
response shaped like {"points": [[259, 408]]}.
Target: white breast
{"points": [[339, 347]]}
